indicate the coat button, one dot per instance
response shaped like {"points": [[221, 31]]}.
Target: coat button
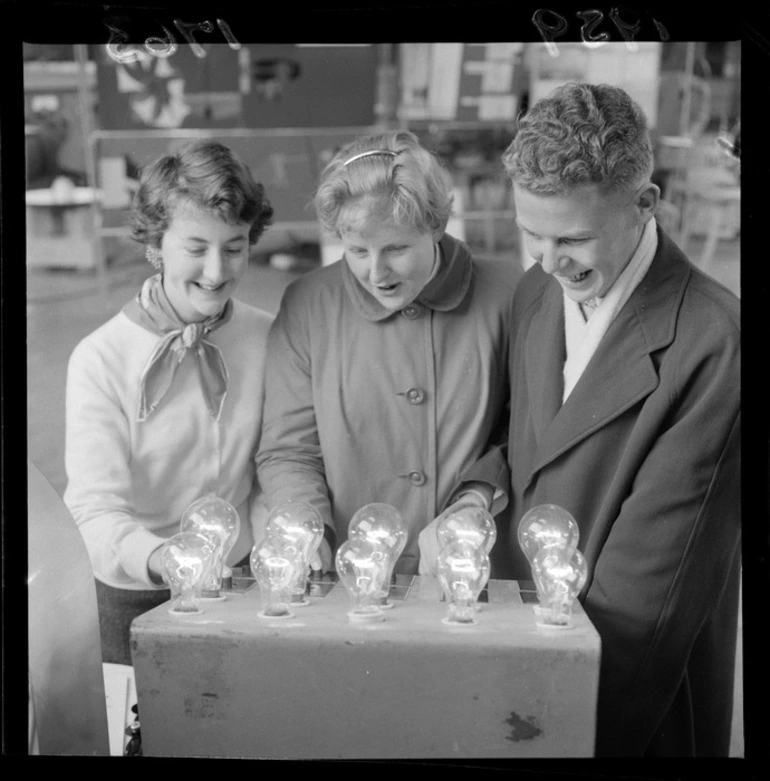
{"points": [[411, 311], [415, 395], [417, 478]]}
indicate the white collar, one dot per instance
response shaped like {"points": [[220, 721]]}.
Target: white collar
{"points": [[581, 343]]}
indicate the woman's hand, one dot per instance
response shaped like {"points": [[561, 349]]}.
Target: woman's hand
{"points": [[155, 567], [322, 559], [428, 538], [429, 548]]}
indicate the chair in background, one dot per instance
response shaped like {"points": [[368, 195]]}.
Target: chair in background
{"points": [[712, 198]]}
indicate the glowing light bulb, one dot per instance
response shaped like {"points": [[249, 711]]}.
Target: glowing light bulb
{"points": [[381, 523], [362, 566], [463, 571], [559, 573], [275, 563], [185, 561], [299, 524], [218, 521], [471, 524], [546, 525]]}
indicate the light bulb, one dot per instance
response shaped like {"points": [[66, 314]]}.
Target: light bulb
{"points": [[559, 573], [218, 521], [274, 564], [472, 524], [185, 561], [362, 566], [546, 525], [299, 524], [381, 523], [463, 571], [543, 526]]}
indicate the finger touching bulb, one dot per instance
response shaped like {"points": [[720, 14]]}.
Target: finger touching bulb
{"points": [[469, 523], [218, 521], [381, 523], [186, 560], [299, 524]]}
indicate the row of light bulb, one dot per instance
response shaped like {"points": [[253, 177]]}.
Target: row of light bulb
{"points": [[194, 560]]}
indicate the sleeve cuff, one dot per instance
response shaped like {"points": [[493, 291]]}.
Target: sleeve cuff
{"points": [[135, 551], [330, 536]]}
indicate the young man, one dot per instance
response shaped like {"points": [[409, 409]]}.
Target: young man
{"points": [[625, 411]]}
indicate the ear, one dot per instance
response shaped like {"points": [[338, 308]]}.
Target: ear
{"points": [[646, 201]]}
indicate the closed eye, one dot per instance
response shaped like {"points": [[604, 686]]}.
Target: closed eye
{"points": [[199, 252]]}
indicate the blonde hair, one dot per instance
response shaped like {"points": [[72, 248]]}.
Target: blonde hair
{"points": [[411, 180]]}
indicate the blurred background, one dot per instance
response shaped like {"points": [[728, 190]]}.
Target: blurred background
{"points": [[94, 115]]}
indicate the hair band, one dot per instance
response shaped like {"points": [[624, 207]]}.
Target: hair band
{"points": [[370, 152]]}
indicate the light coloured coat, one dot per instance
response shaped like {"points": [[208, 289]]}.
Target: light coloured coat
{"points": [[365, 405]]}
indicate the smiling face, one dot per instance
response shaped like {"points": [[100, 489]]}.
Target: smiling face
{"points": [[204, 257], [392, 262], [585, 237]]}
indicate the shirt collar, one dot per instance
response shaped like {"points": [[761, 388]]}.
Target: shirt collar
{"points": [[443, 293]]}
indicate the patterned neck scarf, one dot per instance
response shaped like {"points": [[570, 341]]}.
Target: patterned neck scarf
{"points": [[152, 310]]}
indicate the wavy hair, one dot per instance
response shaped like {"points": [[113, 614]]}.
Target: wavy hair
{"points": [[417, 189], [580, 134], [210, 175]]}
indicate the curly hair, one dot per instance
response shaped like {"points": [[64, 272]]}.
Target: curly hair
{"points": [[580, 134], [210, 175], [417, 187]]}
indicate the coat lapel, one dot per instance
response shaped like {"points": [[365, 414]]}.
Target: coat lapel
{"points": [[544, 360], [620, 373]]}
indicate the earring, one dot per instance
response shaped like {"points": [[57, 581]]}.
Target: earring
{"points": [[154, 257]]}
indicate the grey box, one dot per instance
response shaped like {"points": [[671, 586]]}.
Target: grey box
{"points": [[228, 683]]}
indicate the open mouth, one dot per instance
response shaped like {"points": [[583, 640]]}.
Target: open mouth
{"points": [[385, 289], [209, 288], [576, 279]]}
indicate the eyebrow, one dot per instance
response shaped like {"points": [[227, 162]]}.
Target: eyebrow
{"points": [[389, 245], [206, 241], [575, 237]]}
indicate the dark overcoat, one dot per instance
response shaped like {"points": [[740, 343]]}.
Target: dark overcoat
{"points": [[645, 455]]}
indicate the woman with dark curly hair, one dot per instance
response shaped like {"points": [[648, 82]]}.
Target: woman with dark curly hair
{"points": [[164, 400]]}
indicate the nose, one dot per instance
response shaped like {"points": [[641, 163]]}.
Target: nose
{"points": [[549, 255], [378, 268], [214, 267]]}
